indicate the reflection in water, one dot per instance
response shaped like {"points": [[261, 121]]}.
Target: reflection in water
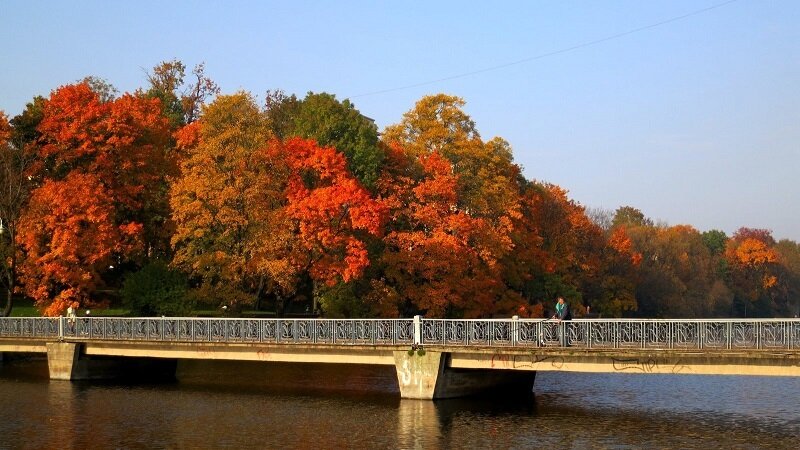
{"points": [[63, 397], [417, 423], [256, 405]]}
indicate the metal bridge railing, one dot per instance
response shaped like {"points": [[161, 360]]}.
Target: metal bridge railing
{"points": [[173, 329], [719, 334]]}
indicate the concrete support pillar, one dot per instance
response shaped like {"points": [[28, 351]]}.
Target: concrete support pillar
{"points": [[426, 375], [418, 374], [65, 362], [62, 361]]}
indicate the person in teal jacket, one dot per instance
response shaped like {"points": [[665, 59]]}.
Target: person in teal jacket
{"points": [[562, 310], [563, 313]]}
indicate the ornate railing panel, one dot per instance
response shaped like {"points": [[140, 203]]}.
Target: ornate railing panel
{"points": [[29, 327], [725, 334]]}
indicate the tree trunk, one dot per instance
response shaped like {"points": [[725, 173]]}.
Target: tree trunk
{"points": [[259, 294], [9, 301], [314, 297], [280, 306]]}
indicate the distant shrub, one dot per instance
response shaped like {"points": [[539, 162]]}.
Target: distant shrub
{"points": [[157, 290]]}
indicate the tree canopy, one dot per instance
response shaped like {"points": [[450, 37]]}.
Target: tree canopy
{"points": [[175, 196]]}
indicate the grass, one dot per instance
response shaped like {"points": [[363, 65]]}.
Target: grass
{"points": [[24, 311], [25, 308]]}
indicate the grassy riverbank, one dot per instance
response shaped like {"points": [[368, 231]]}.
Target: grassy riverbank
{"points": [[25, 308]]}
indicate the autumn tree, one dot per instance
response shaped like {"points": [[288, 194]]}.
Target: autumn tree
{"points": [[574, 257], [538, 265], [229, 230], [619, 274], [753, 263], [437, 260], [488, 180], [257, 214], [437, 123], [679, 274], [97, 166], [334, 213]]}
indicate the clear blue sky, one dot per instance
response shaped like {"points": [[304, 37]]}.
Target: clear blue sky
{"points": [[694, 122]]}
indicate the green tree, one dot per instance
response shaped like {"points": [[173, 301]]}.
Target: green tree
{"points": [[181, 102], [104, 90], [715, 240], [789, 277], [16, 159], [337, 124], [25, 125], [157, 290], [280, 111], [630, 216], [15, 187]]}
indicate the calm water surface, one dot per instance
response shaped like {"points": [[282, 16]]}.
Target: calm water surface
{"points": [[251, 405]]}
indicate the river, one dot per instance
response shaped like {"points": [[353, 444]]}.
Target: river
{"points": [[257, 405]]}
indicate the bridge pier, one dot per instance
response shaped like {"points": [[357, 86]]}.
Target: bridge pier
{"points": [[427, 376], [67, 361], [62, 361]]}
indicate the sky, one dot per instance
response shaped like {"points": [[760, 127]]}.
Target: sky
{"points": [[686, 110]]}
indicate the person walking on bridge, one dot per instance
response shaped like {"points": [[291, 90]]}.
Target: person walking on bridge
{"points": [[562, 313]]}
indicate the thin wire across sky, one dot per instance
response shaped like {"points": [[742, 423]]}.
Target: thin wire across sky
{"points": [[551, 53]]}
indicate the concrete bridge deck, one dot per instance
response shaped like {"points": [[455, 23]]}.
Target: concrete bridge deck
{"points": [[434, 358]]}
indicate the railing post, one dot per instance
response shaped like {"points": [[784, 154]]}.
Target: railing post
{"points": [[417, 330], [701, 333], [757, 327], [643, 338], [60, 328], [514, 330], [589, 334], [730, 335]]}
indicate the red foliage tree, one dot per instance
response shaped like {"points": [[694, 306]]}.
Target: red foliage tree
{"points": [[331, 209], [101, 171]]}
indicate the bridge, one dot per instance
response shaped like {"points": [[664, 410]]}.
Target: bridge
{"points": [[433, 358]]}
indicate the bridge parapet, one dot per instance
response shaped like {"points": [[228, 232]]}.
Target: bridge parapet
{"points": [[175, 329], [719, 334]]}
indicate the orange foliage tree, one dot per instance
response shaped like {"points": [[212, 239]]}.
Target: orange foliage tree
{"points": [[752, 261], [564, 253], [100, 171], [231, 234], [437, 259]]}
